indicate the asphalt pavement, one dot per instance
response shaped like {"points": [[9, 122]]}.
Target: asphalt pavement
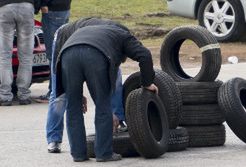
{"points": [[23, 142]]}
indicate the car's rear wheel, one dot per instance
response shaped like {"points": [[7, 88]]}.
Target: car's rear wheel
{"points": [[223, 18]]}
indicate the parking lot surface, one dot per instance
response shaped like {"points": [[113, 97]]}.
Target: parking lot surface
{"points": [[23, 142]]}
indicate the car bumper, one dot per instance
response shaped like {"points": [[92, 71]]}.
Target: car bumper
{"points": [[185, 8], [40, 72]]}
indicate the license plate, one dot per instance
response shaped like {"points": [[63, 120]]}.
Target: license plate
{"points": [[40, 59]]}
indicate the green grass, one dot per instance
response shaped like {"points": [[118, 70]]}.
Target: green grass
{"points": [[131, 13]]}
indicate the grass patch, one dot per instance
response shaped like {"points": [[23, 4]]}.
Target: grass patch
{"points": [[130, 13]]}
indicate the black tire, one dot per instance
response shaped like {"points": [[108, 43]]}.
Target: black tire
{"points": [[199, 92], [147, 123], [206, 136], [234, 31], [232, 100], [178, 139], [211, 55], [169, 93], [208, 114], [121, 145]]}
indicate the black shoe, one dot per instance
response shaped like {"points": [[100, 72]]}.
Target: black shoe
{"points": [[54, 147], [122, 127], [43, 98], [80, 159], [25, 102], [114, 157], [5, 103]]}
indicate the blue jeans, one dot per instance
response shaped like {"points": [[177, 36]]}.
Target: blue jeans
{"points": [[19, 17], [78, 66], [51, 21], [57, 107], [117, 98]]}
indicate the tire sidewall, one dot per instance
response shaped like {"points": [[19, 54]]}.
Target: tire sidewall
{"points": [[148, 98], [169, 55]]}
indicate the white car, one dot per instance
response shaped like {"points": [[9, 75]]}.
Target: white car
{"points": [[225, 19]]}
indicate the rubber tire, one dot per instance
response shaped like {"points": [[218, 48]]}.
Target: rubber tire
{"points": [[147, 123], [207, 114], [169, 93], [206, 136], [237, 31], [232, 100], [169, 54], [121, 145], [199, 92], [178, 139]]}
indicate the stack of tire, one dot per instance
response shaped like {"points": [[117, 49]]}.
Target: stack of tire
{"points": [[201, 114], [184, 113], [149, 117], [153, 119]]}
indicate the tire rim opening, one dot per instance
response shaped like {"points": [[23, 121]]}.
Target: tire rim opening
{"points": [[243, 98], [189, 57], [154, 120]]}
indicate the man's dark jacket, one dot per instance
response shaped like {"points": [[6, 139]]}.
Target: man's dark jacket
{"points": [[67, 30], [57, 5], [5, 2], [114, 40]]}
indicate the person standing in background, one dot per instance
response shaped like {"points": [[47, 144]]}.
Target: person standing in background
{"points": [[55, 13], [16, 16]]}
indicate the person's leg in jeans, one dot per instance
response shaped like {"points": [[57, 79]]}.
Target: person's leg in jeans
{"points": [[51, 21], [54, 126], [57, 107], [25, 42], [55, 116], [117, 98], [98, 83], [56, 110], [78, 65], [7, 27], [72, 70]]}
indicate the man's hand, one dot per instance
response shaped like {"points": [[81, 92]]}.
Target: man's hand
{"points": [[116, 123], [84, 104], [152, 88], [44, 9]]}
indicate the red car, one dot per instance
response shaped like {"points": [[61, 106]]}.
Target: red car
{"points": [[40, 69]]}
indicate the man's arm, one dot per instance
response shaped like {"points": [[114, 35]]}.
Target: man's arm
{"points": [[135, 50]]}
